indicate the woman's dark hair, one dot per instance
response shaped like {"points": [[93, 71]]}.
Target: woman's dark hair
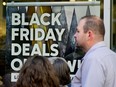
{"points": [[62, 70], [37, 72]]}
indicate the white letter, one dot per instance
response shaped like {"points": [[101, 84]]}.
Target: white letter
{"points": [[14, 33], [26, 49], [15, 19], [60, 34], [79, 63], [35, 50], [42, 19], [15, 51], [55, 19], [23, 20], [15, 68], [14, 77], [34, 19], [44, 50], [72, 66], [31, 34], [24, 61], [24, 34], [50, 35], [53, 48], [39, 34]]}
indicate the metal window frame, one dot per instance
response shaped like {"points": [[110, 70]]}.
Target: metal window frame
{"points": [[92, 3], [107, 21]]}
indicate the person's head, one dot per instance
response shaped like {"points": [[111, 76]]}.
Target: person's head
{"points": [[62, 69], [37, 72], [90, 30]]}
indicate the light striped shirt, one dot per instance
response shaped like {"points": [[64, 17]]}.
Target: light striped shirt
{"points": [[98, 68]]}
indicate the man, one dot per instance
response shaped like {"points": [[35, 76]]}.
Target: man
{"points": [[98, 68]]}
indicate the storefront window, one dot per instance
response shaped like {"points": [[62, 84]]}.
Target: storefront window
{"points": [[2, 39], [113, 28], [4, 35]]}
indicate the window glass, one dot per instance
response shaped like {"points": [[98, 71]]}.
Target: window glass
{"points": [[2, 38], [3, 29], [113, 27]]}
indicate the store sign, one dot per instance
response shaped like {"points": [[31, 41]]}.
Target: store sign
{"points": [[44, 30]]}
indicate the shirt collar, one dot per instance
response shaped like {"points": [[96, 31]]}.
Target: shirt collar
{"points": [[97, 45]]}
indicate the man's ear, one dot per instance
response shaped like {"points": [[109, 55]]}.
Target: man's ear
{"points": [[90, 35]]}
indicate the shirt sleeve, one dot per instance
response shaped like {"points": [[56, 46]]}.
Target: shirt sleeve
{"points": [[93, 74], [76, 82]]}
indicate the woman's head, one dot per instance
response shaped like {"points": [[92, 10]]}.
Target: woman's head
{"points": [[37, 72], [62, 69]]}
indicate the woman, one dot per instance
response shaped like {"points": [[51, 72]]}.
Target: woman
{"points": [[62, 69], [37, 72]]}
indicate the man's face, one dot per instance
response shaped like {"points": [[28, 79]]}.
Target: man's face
{"points": [[80, 36]]}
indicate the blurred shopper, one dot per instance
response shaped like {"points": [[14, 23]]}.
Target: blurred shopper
{"points": [[62, 69], [37, 72]]}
